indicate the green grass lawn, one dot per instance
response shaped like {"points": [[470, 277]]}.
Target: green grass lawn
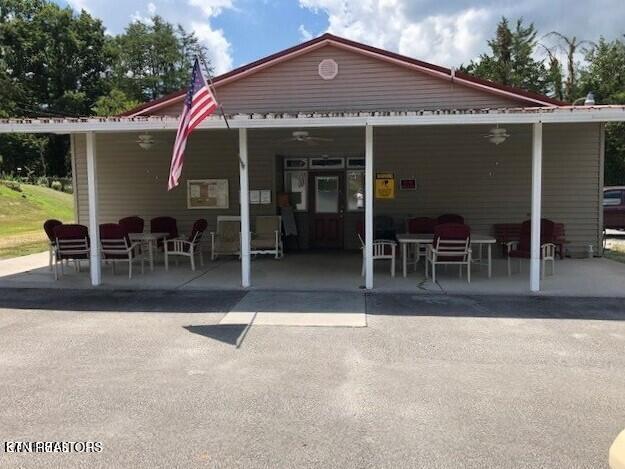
{"points": [[22, 215]]}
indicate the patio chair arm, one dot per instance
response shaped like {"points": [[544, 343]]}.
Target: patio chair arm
{"points": [[388, 242], [178, 244], [511, 245]]}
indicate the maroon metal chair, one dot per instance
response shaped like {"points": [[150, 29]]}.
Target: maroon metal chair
{"points": [[187, 247], [451, 245], [48, 227], [450, 218], [421, 225], [164, 225], [522, 248], [133, 224], [72, 243], [115, 246]]}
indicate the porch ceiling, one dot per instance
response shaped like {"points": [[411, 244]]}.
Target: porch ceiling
{"points": [[563, 114]]}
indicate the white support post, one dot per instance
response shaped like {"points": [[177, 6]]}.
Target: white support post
{"points": [[369, 207], [537, 164], [94, 231], [245, 209]]}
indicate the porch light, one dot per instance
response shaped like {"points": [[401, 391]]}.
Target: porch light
{"points": [[145, 141], [589, 99]]}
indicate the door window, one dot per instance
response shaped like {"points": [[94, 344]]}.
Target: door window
{"points": [[296, 182], [355, 190], [326, 194]]}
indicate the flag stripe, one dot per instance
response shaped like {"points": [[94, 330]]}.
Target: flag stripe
{"points": [[198, 105]]}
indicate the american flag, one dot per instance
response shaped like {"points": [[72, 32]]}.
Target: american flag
{"points": [[198, 105]]}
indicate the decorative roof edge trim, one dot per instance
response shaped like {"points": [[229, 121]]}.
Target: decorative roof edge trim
{"points": [[569, 114]]}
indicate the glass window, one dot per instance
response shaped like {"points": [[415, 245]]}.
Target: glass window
{"points": [[611, 198], [295, 163], [355, 190], [357, 162], [327, 163], [327, 194], [296, 182]]}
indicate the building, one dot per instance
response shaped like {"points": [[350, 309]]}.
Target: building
{"points": [[370, 112]]}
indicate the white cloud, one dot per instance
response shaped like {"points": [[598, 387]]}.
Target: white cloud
{"points": [[304, 34], [454, 32], [446, 39], [211, 8], [219, 49], [79, 5], [193, 15]]}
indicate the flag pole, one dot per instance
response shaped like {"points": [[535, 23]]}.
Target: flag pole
{"points": [[212, 86]]}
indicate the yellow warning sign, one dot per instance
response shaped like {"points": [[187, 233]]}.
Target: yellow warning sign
{"points": [[384, 186]]}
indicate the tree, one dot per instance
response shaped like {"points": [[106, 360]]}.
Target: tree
{"points": [[511, 61], [114, 103], [605, 77], [153, 59], [555, 80], [52, 62], [570, 45]]}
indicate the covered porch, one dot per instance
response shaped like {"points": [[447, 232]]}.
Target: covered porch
{"points": [[375, 136]]}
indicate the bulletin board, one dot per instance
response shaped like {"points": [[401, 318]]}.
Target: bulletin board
{"points": [[207, 194]]}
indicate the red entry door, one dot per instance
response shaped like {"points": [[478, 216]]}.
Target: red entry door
{"points": [[328, 200]]}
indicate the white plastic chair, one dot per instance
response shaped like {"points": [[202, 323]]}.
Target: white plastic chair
{"points": [[381, 248], [451, 246], [187, 247]]}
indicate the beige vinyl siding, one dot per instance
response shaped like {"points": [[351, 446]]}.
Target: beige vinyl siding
{"points": [[132, 181], [456, 168], [572, 182], [459, 171], [362, 84]]}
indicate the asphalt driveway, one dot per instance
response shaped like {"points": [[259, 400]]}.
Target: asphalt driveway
{"points": [[433, 381]]}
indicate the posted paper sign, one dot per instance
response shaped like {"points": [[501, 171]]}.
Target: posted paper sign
{"points": [[207, 193]]}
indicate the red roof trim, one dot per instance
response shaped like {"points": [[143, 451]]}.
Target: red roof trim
{"points": [[486, 85]]}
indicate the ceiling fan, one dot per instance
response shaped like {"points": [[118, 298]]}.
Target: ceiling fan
{"points": [[497, 135], [302, 136]]}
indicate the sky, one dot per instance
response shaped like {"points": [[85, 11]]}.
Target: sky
{"points": [[444, 32]]}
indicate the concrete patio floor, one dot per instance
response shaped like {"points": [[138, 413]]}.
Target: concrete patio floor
{"points": [[327, 271]]}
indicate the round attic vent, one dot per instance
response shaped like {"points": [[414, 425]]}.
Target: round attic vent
{"points": [[328, 69]]}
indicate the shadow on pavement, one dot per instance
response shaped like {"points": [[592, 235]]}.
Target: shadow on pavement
{"points": [[131, 301], [230, 334]]}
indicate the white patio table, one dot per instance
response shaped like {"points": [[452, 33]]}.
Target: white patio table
{"points": [[150, 240], [405, 239]]}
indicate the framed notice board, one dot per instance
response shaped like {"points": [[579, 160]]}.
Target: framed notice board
{"points": [[207, 194]]}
